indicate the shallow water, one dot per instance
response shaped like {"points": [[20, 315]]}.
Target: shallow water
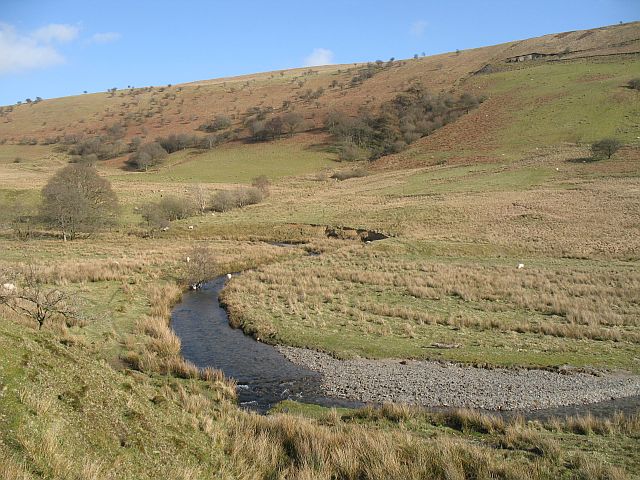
{"points": [[265, 376]]}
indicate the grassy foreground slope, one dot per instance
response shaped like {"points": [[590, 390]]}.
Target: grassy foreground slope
{"points": [[66, 415]]}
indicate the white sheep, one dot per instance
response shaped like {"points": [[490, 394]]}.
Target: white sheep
{"points": [[190, 227], [520, 266], [9, 287], [228, 276], [188, 259]]}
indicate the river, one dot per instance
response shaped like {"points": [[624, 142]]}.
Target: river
{"points": [[265, 377]]}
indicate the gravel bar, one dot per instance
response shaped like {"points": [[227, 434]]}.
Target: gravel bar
{"points": [[444, 384]]}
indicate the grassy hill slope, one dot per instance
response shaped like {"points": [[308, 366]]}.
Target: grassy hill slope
{"points": [[153, 111]]}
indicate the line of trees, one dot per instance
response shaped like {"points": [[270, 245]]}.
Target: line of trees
{"points": [[289, 123], [159, 214]]}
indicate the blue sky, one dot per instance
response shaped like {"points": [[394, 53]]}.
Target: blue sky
{"points": [[57, 48]]}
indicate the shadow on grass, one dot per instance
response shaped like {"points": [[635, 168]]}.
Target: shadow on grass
{"points": [[322, 147]]}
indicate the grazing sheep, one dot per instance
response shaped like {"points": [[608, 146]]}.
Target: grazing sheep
{"points": [[165, 229], [520, 266], [9, 287], [228, 275], [188, 259], [190, 227]]}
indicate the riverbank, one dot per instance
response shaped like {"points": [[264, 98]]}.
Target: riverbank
{"points": [[443, 384]]}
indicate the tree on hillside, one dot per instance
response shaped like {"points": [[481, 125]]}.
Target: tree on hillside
{"points": [[292, 121], [147, 155], [605, 147], [77, 200]]}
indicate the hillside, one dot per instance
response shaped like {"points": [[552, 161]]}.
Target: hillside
{"points": [[154, 111]]}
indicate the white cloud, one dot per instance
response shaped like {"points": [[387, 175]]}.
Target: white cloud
{"points": [[20, 52], [106, 37], [56, 32], [417, 28], [319, 56]]}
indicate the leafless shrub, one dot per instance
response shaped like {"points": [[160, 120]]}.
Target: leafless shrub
{"points": [[25, 293], [226, 200]]}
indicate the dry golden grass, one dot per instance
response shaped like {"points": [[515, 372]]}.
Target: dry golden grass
{"points": [[393, 293], [282, 446], [10, 468], [618, 424]]}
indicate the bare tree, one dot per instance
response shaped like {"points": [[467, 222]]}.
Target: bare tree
{"points": [[200, 266], [147, 155], [292, 122], [262, 183], [605, 147], [77, 199], [199, 196], [27, 294]]}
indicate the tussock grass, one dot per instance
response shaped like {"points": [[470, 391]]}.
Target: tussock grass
{"points": [[282, 446], [531, 441], [95, 271], [11, 468], [618, 424], [399, 301]]}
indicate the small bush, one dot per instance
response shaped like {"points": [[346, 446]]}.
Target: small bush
{"points": [[223, 201], [634, 83], [102, 147], [226, 200], [264, 130], [350, 152], [176, 208], [220, 122], [176, 142], [262, 183], [168, 209], [605, 147]]}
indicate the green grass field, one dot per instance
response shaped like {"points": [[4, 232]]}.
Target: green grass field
{"points": [[579, 101], [238, 164]]}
